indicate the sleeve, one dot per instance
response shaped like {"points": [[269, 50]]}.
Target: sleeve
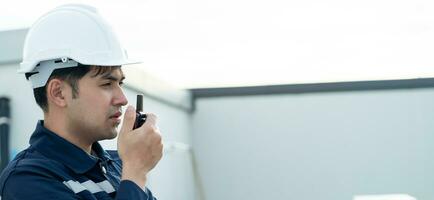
{"points": [[129, 190], [21, 185]]}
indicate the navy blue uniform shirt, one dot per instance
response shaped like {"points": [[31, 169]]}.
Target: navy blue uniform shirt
{"points": [[53, 168]]}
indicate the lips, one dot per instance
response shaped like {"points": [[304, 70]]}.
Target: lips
{"points": [[115, 118], [116, 115]]}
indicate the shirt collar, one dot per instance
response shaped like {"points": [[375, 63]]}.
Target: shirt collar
{"points": [[57, 148]]}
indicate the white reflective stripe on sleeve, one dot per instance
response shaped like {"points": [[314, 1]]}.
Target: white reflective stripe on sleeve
{"points": [[91, 186], [106, 186], [76, 187]]}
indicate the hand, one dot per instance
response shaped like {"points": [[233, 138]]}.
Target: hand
{"points": [[139, 149]]}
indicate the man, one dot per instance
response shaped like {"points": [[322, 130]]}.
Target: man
{"points": [[73, 61]]}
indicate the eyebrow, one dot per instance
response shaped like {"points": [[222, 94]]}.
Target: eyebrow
{"points": [[112, 78]]}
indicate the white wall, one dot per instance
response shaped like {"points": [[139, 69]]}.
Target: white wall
{"points": [[328, 146]]}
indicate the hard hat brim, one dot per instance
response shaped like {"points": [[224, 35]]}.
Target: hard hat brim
{"points": [[26, 67]]}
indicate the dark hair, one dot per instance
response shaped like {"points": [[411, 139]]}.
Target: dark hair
{"points": [[71, 75]]}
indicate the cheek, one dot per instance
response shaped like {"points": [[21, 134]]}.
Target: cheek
{"points": [[97, 103]]}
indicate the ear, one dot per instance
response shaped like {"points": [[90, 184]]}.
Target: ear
{"points": [[57, 92]]}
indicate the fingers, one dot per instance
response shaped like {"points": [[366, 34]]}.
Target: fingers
{"points": [[151, 119], [155, 136], [150, 126], [129, 120], [157, 145]]}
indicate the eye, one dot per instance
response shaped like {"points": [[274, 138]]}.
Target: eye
{"points": [[107, 84], [121, 83]]}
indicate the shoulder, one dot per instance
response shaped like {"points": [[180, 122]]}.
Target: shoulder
{"points": [[31, 161], [28, 166], [32, 176]]}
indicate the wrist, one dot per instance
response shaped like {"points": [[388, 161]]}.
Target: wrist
{"points": [[134, 175]]}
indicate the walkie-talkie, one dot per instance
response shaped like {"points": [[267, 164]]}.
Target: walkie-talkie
{"points": [[140, 116]]}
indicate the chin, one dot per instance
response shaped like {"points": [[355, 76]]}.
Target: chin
{"points": [[112, 135]]}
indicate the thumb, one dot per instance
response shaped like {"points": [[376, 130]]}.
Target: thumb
{"points": [[129, 120]]}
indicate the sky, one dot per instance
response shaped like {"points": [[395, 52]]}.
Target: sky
{"points": [[226, 43]]}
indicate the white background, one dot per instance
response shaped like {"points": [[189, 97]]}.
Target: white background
{"points": [[204, 43]]}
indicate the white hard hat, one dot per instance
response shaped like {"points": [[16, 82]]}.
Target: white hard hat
{"points": [[66, 36]]}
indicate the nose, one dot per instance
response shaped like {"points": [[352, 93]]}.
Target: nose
{"points": [[120, 98]]}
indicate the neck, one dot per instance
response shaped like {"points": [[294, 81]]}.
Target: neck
{"points": [[58, 125]]}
